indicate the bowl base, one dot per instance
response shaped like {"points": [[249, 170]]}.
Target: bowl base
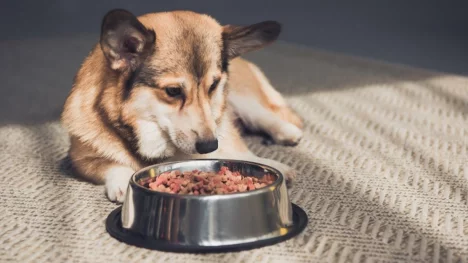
{"points": [[114, 228]]}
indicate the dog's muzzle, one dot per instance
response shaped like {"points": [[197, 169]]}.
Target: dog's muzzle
{"points": [[204, 147]]}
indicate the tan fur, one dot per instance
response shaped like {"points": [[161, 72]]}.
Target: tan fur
{"points": [[243, 80], [100, 122], [94, 89]]}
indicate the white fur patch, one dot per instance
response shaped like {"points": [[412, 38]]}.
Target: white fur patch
{"points": [[117, 179], [257, 117], [252, 113], [288, 133], [152, 143]]}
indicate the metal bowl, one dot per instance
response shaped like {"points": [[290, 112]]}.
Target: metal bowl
{"points": [[204, 223]]}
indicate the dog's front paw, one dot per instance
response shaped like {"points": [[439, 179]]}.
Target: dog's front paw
{"points": [[290, 175], [117, 180], [287, 134]]}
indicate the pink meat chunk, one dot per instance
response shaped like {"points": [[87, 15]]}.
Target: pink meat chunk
{"points": [[205, 183]]}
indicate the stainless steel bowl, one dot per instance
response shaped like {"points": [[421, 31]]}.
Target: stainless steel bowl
{"points": [[189, 223]]}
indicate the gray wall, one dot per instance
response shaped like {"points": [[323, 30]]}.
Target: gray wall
{"points": [[425, 33], [42, 43]]}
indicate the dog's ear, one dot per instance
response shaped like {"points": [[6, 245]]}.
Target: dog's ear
{"points": [[125, 41], [242, 39]]}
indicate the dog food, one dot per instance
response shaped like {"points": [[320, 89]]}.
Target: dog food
{"points": [[205, 183]]}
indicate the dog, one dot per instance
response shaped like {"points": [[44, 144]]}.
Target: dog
{"points": [[169, 86]]}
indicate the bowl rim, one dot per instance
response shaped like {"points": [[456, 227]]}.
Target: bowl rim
{"points": [[279, 180]]}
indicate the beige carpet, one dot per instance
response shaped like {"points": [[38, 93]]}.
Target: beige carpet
{"points": [[383, 173]]}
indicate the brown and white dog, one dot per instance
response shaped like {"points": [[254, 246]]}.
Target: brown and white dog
{"points": [[167, 86]]}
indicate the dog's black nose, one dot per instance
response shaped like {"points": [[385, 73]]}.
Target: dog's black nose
{"points": [[203, 147]]}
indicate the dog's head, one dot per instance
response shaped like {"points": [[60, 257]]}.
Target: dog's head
{"points": [[173, 70]]}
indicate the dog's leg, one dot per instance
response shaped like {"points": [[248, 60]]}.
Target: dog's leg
{"points": [[114, 176], [99, 170], [256, 117], [260, 106]]}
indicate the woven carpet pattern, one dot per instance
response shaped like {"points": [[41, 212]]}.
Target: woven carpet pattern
{"points": [[383, 173]]}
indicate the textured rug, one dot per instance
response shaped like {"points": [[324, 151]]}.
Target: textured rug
{"points": [[383, 172]]}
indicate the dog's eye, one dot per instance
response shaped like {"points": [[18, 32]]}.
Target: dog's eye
{"points": [[173, 92], [213, 86]]}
